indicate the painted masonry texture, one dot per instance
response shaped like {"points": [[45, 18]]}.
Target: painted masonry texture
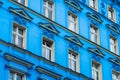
{"points": [[59, 39]]}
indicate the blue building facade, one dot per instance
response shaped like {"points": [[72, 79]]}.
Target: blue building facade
{"points": [[60, 39]]}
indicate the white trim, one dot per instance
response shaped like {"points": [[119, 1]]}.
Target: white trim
{"points": [[48, 48], [97, 68], [26, 2], [15, 73], [114, 44], [45, 6], [16, 33], [94, 32], [114, 14], [116, 75], [94, 5], [73, 56], [74, 20]]}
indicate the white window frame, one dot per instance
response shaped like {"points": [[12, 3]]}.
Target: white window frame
{"points": [[93, 4], [15, 73], [72, 17], [114, 76], [19, 35], [94, 33], [19, 1], [70, 58], [46, 55], [111, 15], [45, 6], [113, 44], [94, 70]]}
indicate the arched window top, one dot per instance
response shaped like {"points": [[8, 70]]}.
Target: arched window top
{"points": [[113, 27], [94, 16], [74, 3]]}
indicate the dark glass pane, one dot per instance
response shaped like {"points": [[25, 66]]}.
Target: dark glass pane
{"points": [[22, 2], [49, 14], [14, 28], [13, 39], [11, 76], [20, 31], [20, 41], [19, 77]]}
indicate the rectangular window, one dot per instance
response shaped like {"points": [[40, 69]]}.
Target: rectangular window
{"points": [[47, 49], [115, 75], [23, 2], [16, 76], [96, 71], [111, 13], [93, 4], [113, 44], [72, 22], [94, 34], [49, 9], [73, 60], [18, 35]]}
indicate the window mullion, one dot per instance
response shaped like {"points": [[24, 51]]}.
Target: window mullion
{"points": [[16, 42], [45, 50], [15, 76]]}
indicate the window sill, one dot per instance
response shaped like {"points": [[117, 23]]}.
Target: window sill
{"points": [[94, 8], [19, 3], [112, 19]]}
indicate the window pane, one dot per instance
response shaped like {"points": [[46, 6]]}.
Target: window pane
{"points": [[73, 65], [11, 76], [94, 34], [112, 48], [71, 26], [48, 10], [109, 14], [72, 61], [19, 77], [47, 49], [73, 56], [91, 3], [70, 17], [18, 35], [49, 5], [69, 63], [20, 41], [115, 75], [93, 37], [48, 44], [113, 44], [44, 51], [49, 14], [45, 12], [72, 23], [14, 38], [95, 71], [20, 31], [48, 56], [14, 28], [22, 2]]}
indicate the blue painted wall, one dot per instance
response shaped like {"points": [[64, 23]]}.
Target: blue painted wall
{"points": [[35, 33]]}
